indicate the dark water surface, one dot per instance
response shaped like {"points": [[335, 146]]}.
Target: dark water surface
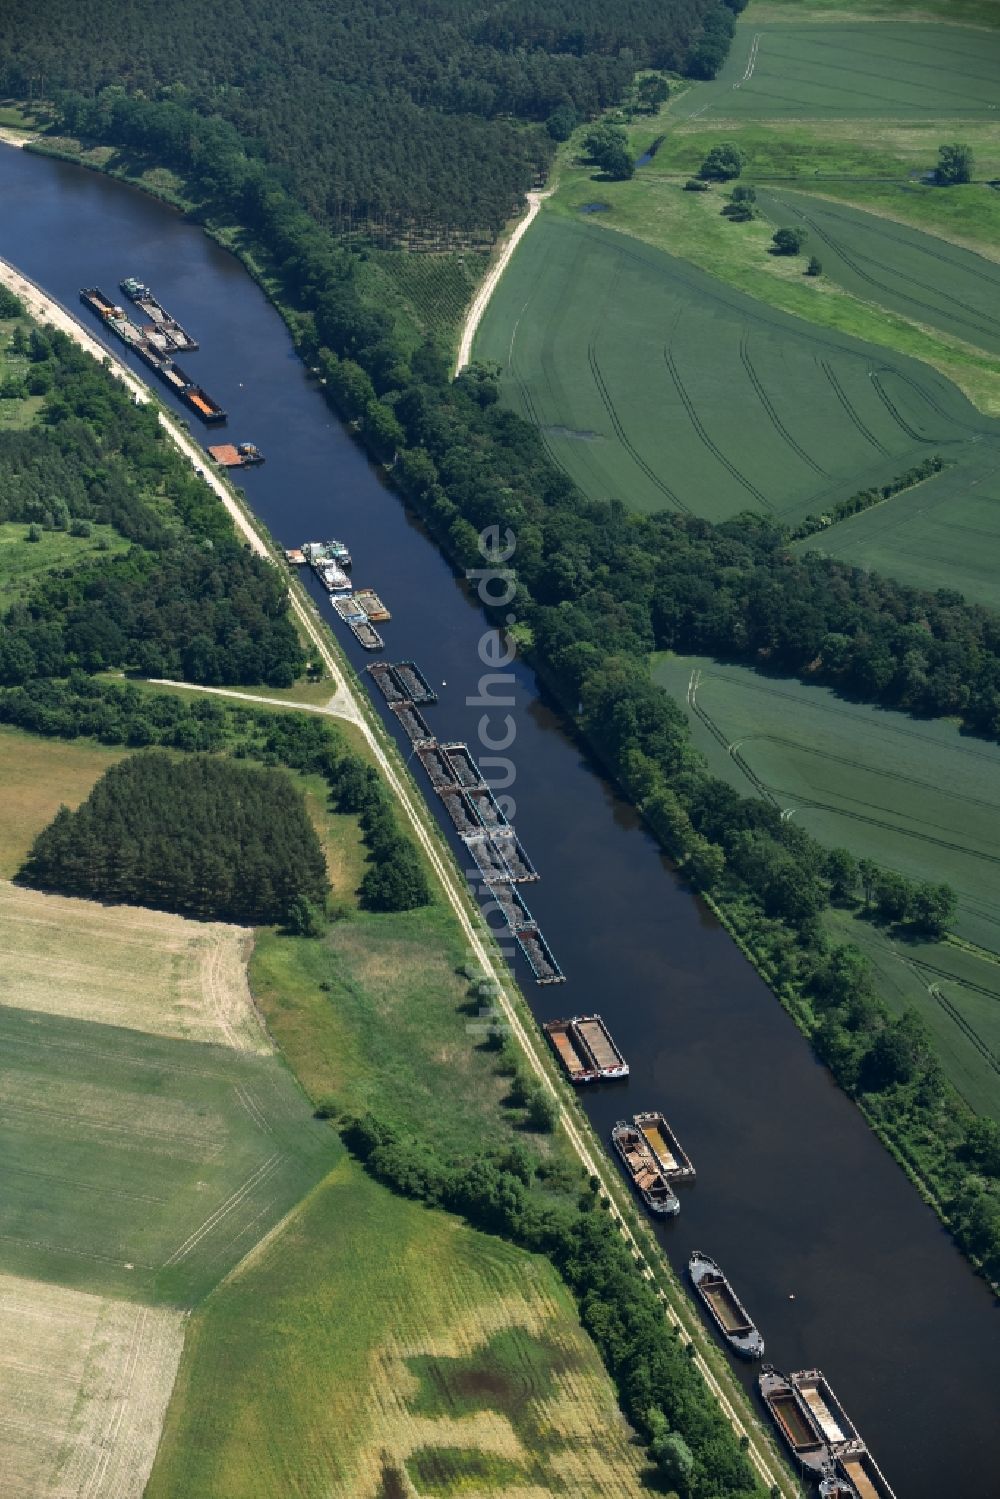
{"points": [[794, 1196]]}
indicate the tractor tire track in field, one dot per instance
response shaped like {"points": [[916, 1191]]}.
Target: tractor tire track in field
{"points": [[718, 734], [696, 423], [935, 405], [768, 406], [622, 436], [897, 415], [845, 402], [233, 1201]]}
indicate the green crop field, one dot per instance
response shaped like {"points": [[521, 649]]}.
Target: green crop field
{"points": [[943, 534], [662, 386], [877, 68], [904, 270], [955, 991], [378, 1344], [917, 797]]}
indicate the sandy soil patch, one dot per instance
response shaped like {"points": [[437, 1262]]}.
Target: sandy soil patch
{"points": [[126, 966], [84, 1385]]}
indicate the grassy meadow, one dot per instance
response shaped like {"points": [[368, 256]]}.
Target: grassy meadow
{"points": [[376, 1345]]}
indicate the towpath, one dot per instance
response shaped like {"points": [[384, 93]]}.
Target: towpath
{"points": [[346, 703], [489, 286]]}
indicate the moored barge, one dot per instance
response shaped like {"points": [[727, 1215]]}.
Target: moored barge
{"points": [[862, 1478], [237, 455], [160, 320], [726, 1309], [794, 1422], [414, 724], [825, 1410], [539, 954], [371, 605], [152, 353], [643, 1169], [586, 1050], [673, 1159], [327, 551]]}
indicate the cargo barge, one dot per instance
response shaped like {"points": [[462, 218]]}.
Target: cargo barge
{"points": [[366, 634], [508, 846], [153, 355], [823, 1407], [539, 956], [467, 772], [586, 1050], [237, 455], [725, 1308], [371, 605], [489, 861], [511, 907], [673, 1159], [412, 722], [414, 684], [859, 1476], [487, 810], [793, 1422], [160, 320], [431, 758], [458, 810], [641, 1165], [347, 608]]}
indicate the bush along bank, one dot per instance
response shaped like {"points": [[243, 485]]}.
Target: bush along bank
{"points": [[598, 589]]}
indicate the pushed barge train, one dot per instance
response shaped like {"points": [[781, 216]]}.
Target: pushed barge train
{"points": [[586, 1050], [725, 1307], [647, 1176], [159, 319], [150, 350], [821, 1435]]}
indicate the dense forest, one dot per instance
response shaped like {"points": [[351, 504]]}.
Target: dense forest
{"points": [[401, 113], [186, 600], [200, 835]]}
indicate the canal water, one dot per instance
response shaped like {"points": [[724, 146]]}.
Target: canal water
{"points": [[827, 1243]]}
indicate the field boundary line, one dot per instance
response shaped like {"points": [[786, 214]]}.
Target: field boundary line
{"points": [[459, 899]]}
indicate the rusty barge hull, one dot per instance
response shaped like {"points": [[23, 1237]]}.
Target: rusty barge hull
{"points": [[586, 1050]]}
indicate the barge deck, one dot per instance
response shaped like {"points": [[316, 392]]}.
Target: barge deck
{"points": [[673, 1158], [539, 955]]}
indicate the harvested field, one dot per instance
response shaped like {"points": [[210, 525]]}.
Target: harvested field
{"points": [[658, 384], [476, 1375], [127, 966], [84, 1386], [139, 1166], [875, 69]]}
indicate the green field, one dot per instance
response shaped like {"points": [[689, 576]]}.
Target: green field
{"points": [[377, 1344], [662, 386], [22, 562], [917, 275], [139, 1166], [876, 68], [944, 534], [917, 797], [956, 992]]}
